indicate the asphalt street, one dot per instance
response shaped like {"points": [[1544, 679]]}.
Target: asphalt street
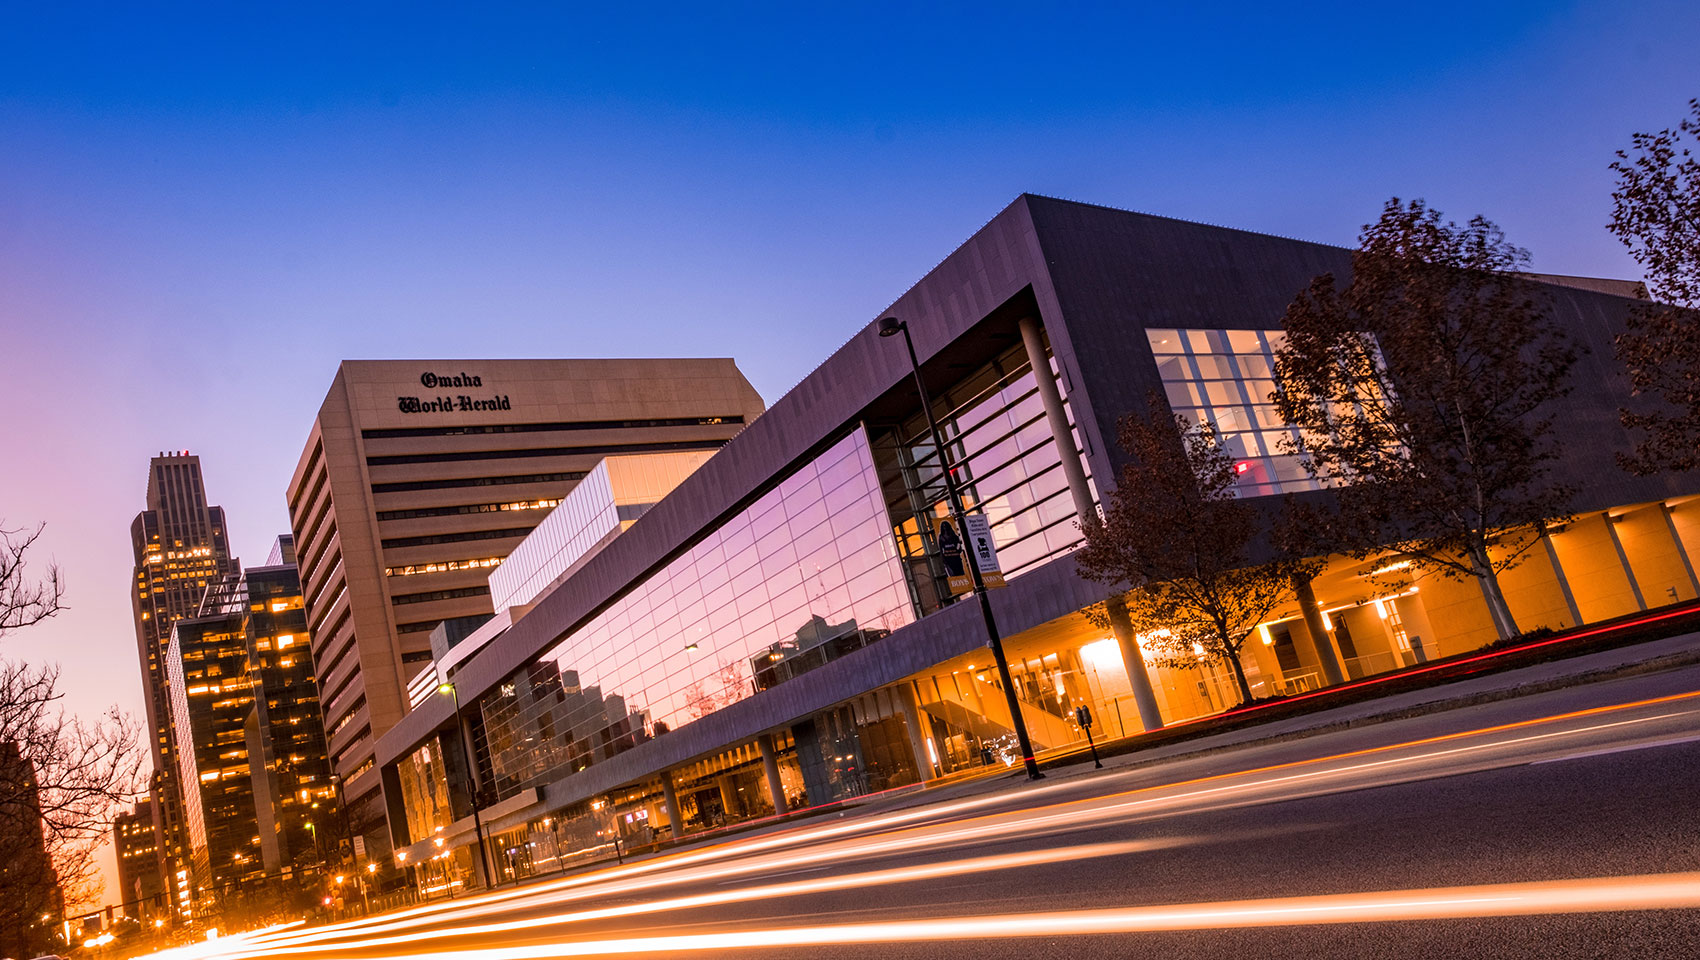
{"points": [[1560, 825]]}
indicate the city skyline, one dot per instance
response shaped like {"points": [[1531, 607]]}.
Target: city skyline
{"points": [[416, 200]]}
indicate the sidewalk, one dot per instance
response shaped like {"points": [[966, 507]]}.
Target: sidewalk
{"points": [[1667, 653]]}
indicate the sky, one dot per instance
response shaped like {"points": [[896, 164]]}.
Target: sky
{"points": [[204, 209]]}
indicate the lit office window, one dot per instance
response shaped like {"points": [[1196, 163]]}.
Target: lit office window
{"points": [[1226, 378]]}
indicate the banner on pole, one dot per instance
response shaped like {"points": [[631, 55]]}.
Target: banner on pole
{"points": [[953, 545]]}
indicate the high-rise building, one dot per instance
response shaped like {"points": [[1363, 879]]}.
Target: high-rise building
{"points": [[181, 546], [211, 696], [258, 794], [295, 797], [135, 841], [32, 906], [418, 477]]}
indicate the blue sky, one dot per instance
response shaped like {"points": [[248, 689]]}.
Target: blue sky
{"points": [[203, 210]]}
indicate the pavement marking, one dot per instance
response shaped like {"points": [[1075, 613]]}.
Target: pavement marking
{"points": [[1627, 748], [783, 873]]}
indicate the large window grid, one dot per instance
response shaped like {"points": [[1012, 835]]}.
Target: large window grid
{"points": [[1226, 378], [678, 646], [1007, 466]]}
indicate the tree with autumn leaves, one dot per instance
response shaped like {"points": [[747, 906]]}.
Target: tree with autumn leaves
{"points": [[1175, 532], [1656, 213], [1424, 390]]}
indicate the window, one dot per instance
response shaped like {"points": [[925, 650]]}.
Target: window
{"points": [[463, 430], [601, 449], [410, 485], [1226, 378], [432, 595], [501, 534]]}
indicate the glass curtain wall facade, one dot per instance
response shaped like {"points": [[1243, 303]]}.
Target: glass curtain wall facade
{"points": [[685, 642], [1007, 466], [211, 697]]}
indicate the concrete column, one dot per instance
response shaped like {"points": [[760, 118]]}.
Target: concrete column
{"points": [[1681, 551], [675, 818], [1563, 581], [1143, 696], [770, 767], [1057, 417], [917, 732], [1623, 561], [1324, 644]]}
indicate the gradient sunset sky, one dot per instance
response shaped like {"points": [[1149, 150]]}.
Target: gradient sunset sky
{"points": [[203, 210]]}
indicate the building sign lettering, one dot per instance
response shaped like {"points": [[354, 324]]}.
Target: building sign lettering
{"points": [[451, 403], [432, 381]]}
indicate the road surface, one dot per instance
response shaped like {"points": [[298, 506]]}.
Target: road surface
{"points": [[1560, 825]]}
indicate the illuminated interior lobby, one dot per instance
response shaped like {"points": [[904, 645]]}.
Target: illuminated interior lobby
{"points": [[778, 633]]}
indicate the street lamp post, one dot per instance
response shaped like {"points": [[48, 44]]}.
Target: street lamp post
{"points": [[472, 781], [890, 327]]}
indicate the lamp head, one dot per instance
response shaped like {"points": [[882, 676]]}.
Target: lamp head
{"points": [[446, 688], [891, 327]]}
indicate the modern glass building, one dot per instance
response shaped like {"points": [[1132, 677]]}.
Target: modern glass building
{"points": [[262, 807], [779, 631]]}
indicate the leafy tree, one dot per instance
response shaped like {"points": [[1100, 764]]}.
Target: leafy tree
{"points": [[1174, 531], [1424, 392], [61, 779], [1656, 213]]}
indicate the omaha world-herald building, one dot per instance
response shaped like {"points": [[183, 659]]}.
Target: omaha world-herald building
{"points": [[778, 631], [417, 479]]}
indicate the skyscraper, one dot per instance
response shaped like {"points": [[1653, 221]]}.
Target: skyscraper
{"points": [[181, 545], [418, 477], [211, 694], [31, 903], [250, 744], [294, 796], [135, 841]]}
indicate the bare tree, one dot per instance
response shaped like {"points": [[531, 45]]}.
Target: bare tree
{"points": [[1424, 392], [1175, 532], [1656, 213], [25, 601], [66, 778]]}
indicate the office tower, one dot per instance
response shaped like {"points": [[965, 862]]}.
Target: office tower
{"points": [[135, 842], [301, 829], [211, 696], [259, 800], [418, 477], [181, 545], [31, 903]]}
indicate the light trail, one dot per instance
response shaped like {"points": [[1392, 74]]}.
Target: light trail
{"points": [[887, 833], [1670, 891], [855, 881]]}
